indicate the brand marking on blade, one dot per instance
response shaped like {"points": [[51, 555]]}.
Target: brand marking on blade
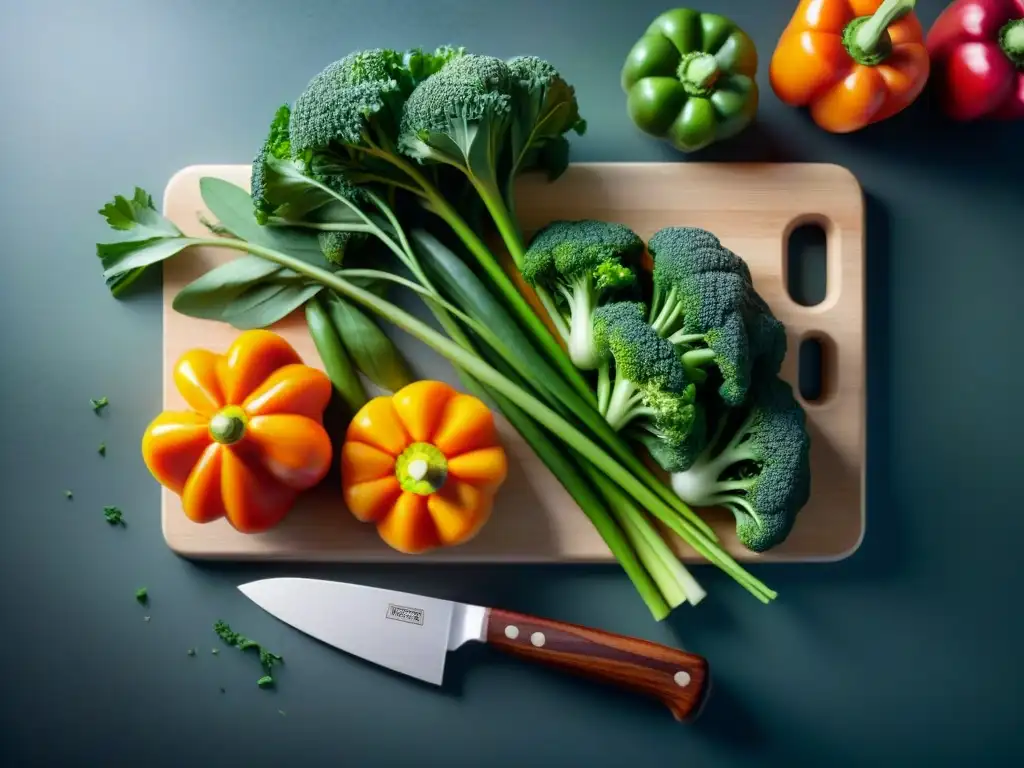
{"points": [[406, 614]]}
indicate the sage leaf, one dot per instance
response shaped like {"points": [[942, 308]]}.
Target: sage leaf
{"points": [[233, 208], [372, 351], [266, 303], [210, 294]]}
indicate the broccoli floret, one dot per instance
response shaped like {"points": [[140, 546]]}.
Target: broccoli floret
{"points": [[354, 101], [580, 264], [276, 146], [466, 104], [757, 465], [647, 394], [545, 110], [489, 120], [705, 303]]}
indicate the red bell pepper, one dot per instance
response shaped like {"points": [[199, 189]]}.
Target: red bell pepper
{"points": [[977, 52]]}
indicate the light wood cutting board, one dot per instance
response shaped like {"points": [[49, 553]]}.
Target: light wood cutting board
{"points": [[751, 207]]}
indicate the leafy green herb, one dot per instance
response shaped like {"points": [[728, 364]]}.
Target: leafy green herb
{"points": [[243, 643], [69, 495], [142, 595], [99, 403], [102, 450], [146, 238], [114, 516]]}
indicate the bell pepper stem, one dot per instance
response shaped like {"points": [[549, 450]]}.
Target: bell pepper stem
{"points": [[698, 72], [867, 37], [1011, 40], [228, 425], [422, 469]]}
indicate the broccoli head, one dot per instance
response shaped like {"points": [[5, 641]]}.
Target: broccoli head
{"points": [[545, 110], [705, 303], [446, 116], [352, 102], [757, 465], [580, 264], [642, 386]]}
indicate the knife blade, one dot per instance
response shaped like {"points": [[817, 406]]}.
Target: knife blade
{"points": [[413, 634]]}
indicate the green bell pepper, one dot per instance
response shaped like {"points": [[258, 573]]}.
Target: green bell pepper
{"points": [[690, 79]]}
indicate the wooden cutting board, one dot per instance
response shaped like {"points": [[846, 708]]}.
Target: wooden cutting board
{"points": [[751, 207]]}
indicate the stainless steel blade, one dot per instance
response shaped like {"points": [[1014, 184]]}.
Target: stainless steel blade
{"points": [[408, 633]]}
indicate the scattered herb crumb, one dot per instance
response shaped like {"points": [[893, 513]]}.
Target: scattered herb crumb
{"points": [[214, 651], [99, 403], [267, 659], [145, 618], [69, 495], [102, 450], [191, 651], [282, 712], [114, 516], [222, 690], [142, 595]]}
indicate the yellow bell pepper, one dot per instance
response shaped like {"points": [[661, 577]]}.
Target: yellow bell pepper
{"points": [[254, 438], [423, 465]]}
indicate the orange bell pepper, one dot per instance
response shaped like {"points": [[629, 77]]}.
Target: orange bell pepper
{"points": [[254, 438], [423, 465], [852, 62]]}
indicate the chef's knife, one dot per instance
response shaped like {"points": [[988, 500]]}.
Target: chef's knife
{"points": [[413, 634]]}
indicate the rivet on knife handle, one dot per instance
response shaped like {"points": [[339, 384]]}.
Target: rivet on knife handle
{"points": [[678, 679]]}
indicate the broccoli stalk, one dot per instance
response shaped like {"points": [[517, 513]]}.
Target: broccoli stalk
{"points": [[578, 264], [704, 303], [757, 465]]}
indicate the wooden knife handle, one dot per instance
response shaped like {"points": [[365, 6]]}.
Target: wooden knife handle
{"points": [[678, 679]]}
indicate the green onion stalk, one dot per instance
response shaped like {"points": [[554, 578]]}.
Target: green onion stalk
{"points": [[487, 376]]}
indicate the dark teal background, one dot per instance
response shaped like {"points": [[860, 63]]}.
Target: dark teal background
{"points": [[907, 653]]}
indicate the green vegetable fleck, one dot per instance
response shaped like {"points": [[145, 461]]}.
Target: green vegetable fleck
{"points": [[243, 643], [215, 228], [69, 495], [99, 403], [114, 516], [142, 595], [214, 651], [191, 651], [102, 450]]}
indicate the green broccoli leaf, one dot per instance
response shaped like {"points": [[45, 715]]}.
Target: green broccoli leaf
{"points": [[99, 403]]}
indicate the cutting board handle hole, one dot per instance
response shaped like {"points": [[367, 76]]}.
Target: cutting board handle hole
{"points": [[806, 264], [814, 369]]}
